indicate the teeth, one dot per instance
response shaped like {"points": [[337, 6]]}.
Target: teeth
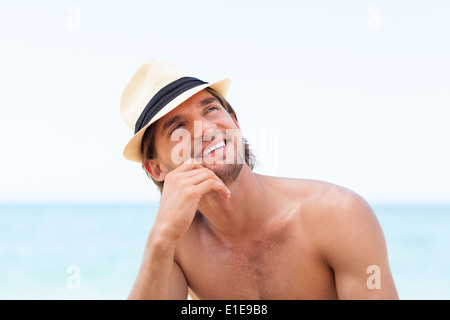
{"points": [[213, 148]]}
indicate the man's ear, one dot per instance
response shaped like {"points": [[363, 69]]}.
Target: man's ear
{"points": [[155, 169]]}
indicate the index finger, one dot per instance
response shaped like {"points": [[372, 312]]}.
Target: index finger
{"points": [[189, 164]]}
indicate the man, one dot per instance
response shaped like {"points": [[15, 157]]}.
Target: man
{"points": [[225, 232]]}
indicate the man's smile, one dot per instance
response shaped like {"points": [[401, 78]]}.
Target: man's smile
{"points": [[213, 148]]}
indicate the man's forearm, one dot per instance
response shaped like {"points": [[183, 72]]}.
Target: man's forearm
{"points": [[155, 275]]}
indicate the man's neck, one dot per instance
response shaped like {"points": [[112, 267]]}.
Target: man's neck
{"points": [[244, 213]]}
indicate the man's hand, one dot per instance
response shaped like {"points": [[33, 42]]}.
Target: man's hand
{"points": [[160, 277], [183, 189]]}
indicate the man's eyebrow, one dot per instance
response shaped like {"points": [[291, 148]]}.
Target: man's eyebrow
{"points": [[207, 101], [169, 123]]}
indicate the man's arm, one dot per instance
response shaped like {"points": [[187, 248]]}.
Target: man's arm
{"points": [[160, 277], [355, 248]]}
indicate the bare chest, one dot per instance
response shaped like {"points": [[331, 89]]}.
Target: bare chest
{"points": [[283, 268]]}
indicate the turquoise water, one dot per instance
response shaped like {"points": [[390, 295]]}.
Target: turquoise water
{"points": [[93, 251], [418, 239]]}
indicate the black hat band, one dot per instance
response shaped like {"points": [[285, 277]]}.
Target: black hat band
{"points": [[163, 97]]}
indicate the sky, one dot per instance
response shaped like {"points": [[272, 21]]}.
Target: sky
{"points": [[356, 93]]}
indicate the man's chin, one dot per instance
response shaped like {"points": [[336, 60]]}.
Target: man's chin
{"points": [[228, 173]]}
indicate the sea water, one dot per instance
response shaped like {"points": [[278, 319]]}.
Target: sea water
{"points": [[93, 251]]}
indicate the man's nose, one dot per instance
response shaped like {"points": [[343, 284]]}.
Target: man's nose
{"points": [[204, 130]]}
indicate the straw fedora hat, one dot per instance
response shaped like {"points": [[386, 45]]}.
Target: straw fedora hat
{"points": [[155, 89]]}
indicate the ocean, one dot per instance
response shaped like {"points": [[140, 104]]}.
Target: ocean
{"points": [[93, 251]]}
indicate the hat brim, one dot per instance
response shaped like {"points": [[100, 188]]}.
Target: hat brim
{"points": [[132, 150]]}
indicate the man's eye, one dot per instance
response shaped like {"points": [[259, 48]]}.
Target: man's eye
{"points": [[177, 126], [211, 109]]}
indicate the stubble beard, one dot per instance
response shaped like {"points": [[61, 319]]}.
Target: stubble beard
{"points": [[228, 173]]}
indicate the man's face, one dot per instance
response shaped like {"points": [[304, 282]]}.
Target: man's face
{"points": [[199, 128]]}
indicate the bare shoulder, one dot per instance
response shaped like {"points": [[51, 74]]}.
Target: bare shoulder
{"points": [[335, 212], [293, 188], [345, 232], [325, 208], [318, 196], [336, 202]]}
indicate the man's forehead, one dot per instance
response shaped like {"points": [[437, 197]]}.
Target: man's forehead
{"points": [[198, 100]]}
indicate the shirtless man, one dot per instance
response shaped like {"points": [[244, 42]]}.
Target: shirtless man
{"points": [[225, 232]]}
